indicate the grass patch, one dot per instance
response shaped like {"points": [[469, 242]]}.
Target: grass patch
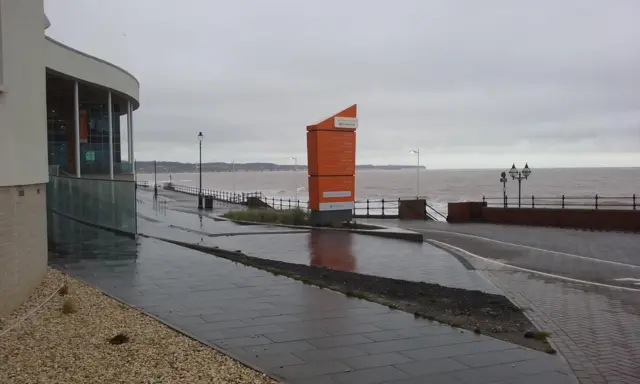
{"points": [[68, 307], [356, 294], [538, 335], [266, 215]]}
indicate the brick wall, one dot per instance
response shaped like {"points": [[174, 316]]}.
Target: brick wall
{"points": [[464, 212], [412, 209], [601, 219], [23, 243]]}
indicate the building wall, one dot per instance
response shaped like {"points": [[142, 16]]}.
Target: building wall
{"points": [[23, 152], [23, 137], [23, 245], [25, 56]]}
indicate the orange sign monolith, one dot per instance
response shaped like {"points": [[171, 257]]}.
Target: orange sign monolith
{"points": [[331, 156]]}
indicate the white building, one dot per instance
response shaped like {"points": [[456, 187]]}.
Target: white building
{"points": [[55, 116]]}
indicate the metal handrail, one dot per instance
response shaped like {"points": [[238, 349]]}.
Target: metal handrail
{"points": [[367, 208], [568, 202], [436, 211], [224, 196]]}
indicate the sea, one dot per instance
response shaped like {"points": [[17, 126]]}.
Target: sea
{"points": [[438, 186]]}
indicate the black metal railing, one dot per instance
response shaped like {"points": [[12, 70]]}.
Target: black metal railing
{"points": [[368, 208], [566, 202], [224, 196]]}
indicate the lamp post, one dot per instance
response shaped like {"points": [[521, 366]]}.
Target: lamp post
{"points": [[520, 175], [155, 180], [200, 168], [417, 152], [503, 180]]}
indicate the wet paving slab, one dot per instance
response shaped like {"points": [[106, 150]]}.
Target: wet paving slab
{"points": [[559, 264], [362, 254], [296, 332], [338, 250], [593, 325], [620, 247], [151, 212], [595, 328], [602, 257]]}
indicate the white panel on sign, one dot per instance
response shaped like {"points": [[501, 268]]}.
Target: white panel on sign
{"points": [[337, 206], [336, 194], [345, 122]]}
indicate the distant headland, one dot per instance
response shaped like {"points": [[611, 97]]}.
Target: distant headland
{"points": [[177, 167]]}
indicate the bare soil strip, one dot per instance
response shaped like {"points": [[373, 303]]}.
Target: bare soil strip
{"points": [[477, 311]]}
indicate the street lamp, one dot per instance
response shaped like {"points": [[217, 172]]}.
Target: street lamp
{"points": [[520, 175], [200, 137], [417, 152], [155, 180], [503, 180]]}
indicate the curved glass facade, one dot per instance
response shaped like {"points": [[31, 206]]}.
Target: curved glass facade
{"points": [[94, 129]]}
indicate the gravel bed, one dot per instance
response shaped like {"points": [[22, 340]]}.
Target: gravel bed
{"points": [[54, 347], [51, 282]]}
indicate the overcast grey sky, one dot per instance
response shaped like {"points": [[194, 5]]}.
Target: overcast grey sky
{"points": [[471, 83]]}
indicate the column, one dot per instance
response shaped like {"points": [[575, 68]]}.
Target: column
{"points": [[128, 131], [76, 126], [129, 136], [110, 120], [131, 148]]}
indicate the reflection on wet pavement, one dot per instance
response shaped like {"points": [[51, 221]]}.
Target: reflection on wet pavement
{"points": [[339, 250], [295, 331], [362, 254], [334, 252], [595, 328]]}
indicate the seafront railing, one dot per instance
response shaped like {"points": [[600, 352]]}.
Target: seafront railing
{"points": [[224, 196], [566, 202], [368, 208]]}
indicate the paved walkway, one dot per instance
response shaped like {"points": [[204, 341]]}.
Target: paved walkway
{"points": [[595, 326], [299, 333], [331, 249]]}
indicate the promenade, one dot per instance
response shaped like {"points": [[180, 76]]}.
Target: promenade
{"points": [[583, 286], [294, 332]]}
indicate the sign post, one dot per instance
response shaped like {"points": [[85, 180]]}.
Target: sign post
{"points": [[331, 155]]}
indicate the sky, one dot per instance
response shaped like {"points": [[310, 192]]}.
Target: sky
{"points": [[471, 84]]}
